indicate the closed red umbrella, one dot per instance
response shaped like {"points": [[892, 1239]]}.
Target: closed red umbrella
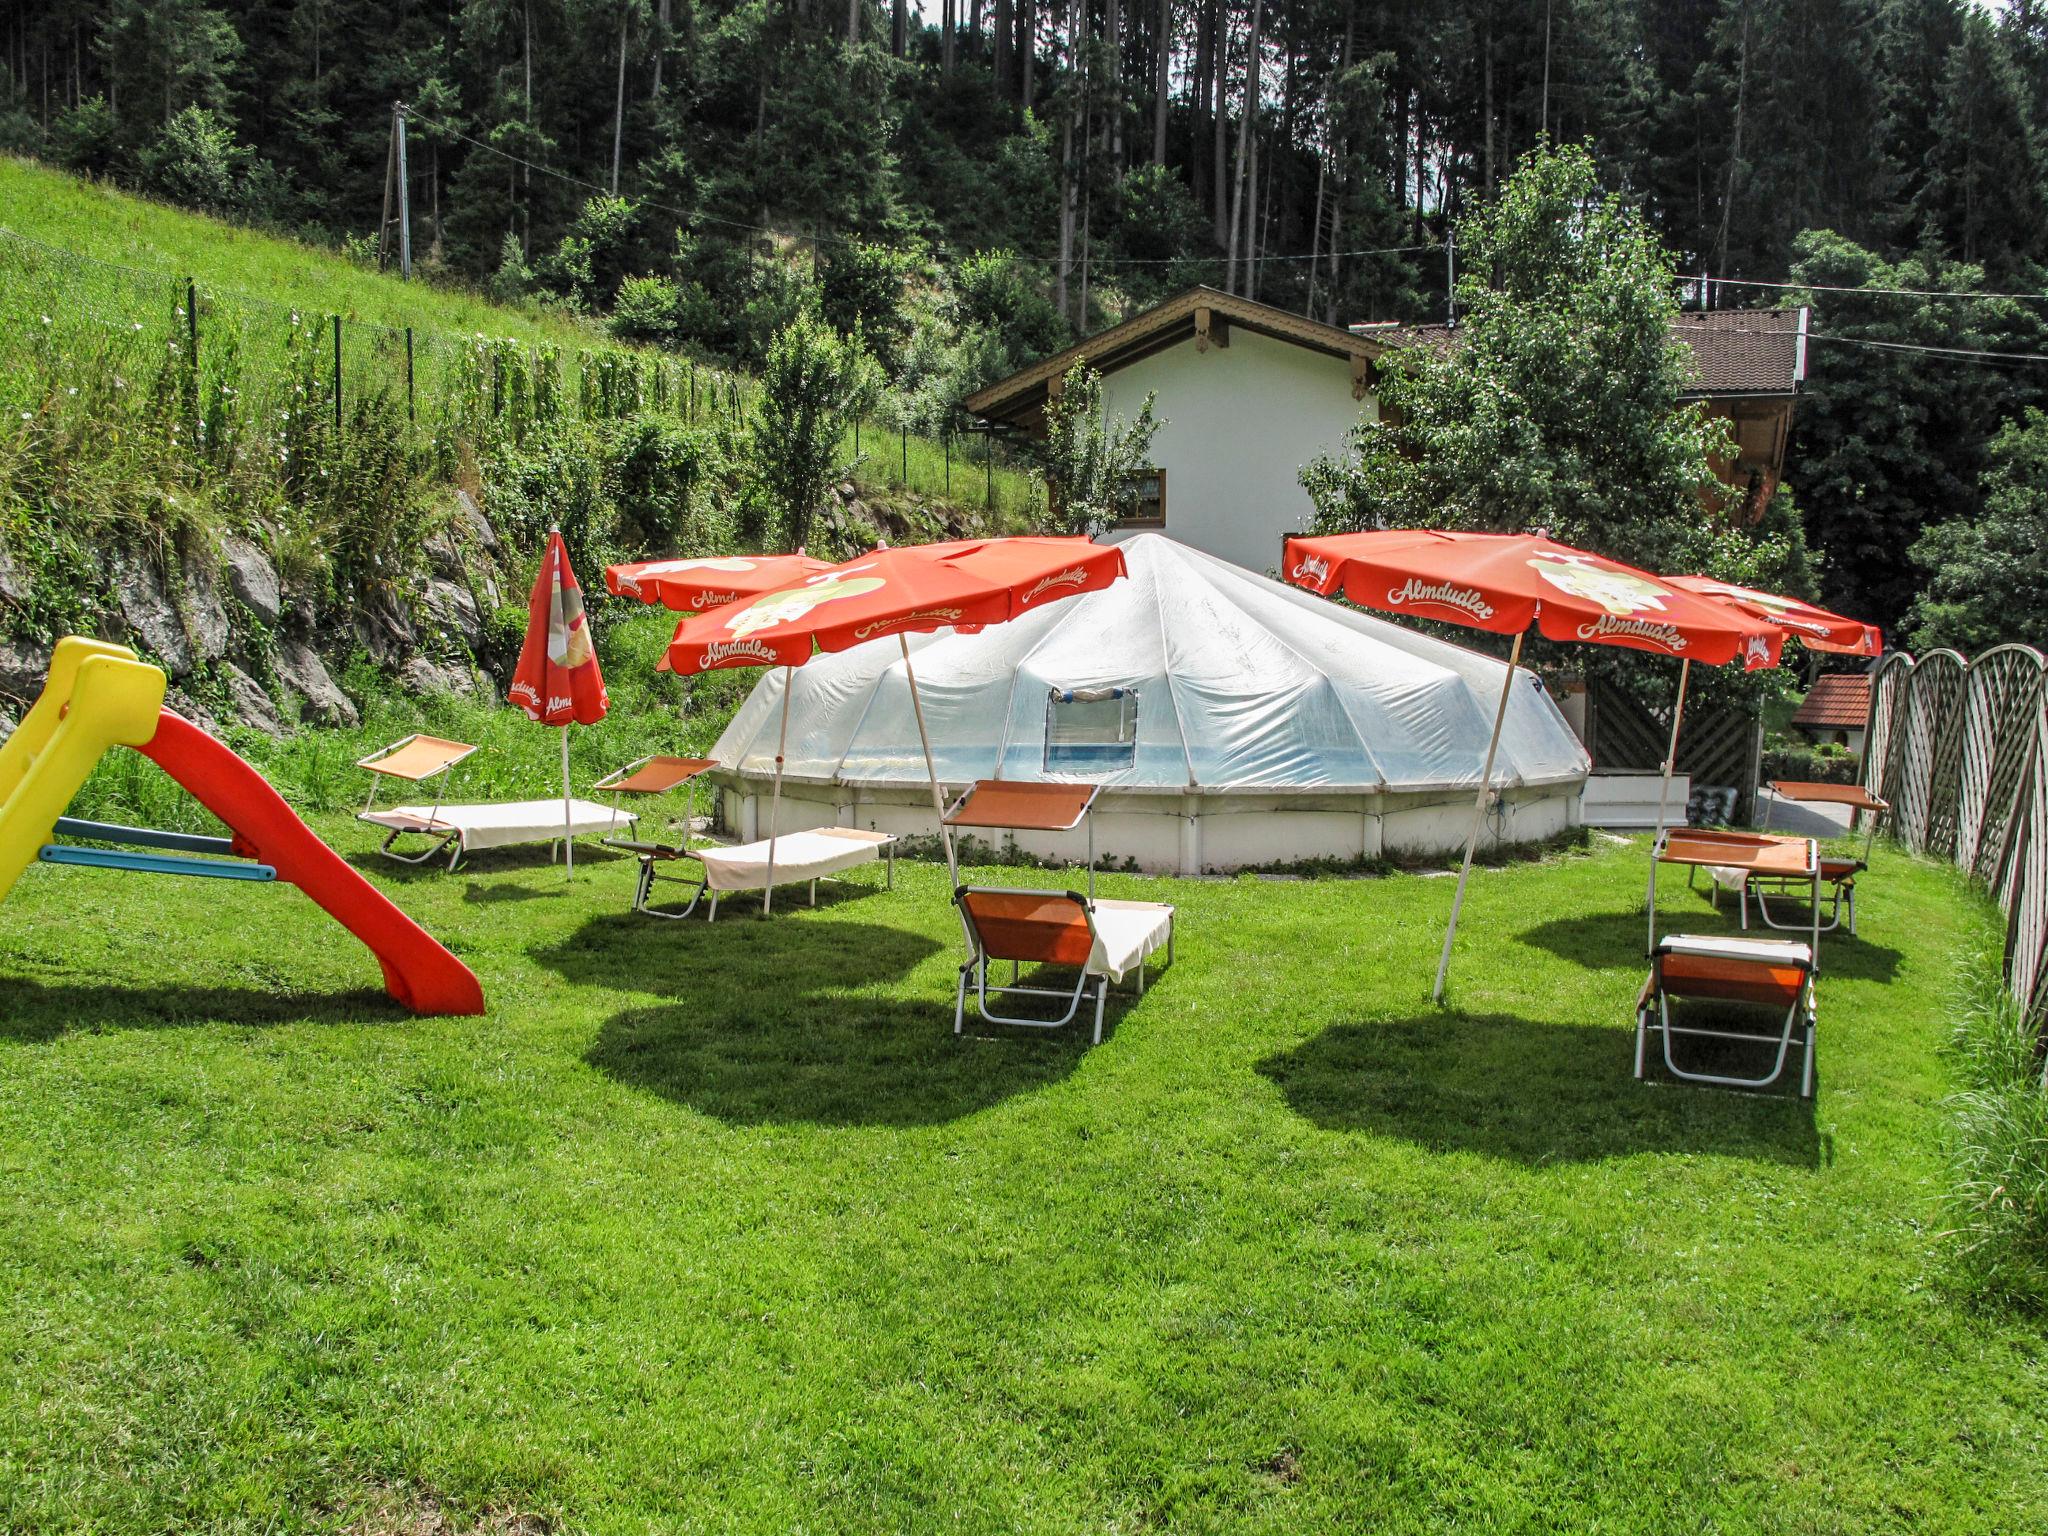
{"points": [[1510, 583], [558, 681], [960, 584]]}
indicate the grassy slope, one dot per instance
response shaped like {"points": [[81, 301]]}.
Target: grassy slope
{"points": [[170, 243], [108, 225], [718, 1227]]}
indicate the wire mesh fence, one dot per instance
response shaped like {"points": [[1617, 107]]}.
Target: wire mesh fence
{"points": [[1960, 750], [207, 364]]}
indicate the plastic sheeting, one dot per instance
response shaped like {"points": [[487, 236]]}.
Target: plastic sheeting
{"points": [[1242, 683]]}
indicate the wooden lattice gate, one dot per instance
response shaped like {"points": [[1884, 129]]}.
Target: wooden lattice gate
{"points": [[1960, 749], [1721, 747]]}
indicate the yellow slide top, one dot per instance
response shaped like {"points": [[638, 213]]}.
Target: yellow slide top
{"points": [[95, 697]]}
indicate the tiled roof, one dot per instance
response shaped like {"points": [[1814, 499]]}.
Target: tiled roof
{"points": [[1837, 701], [1734, 351]]}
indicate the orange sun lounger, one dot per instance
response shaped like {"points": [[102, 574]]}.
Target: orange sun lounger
{"points": [[656, 776], [1774, 975], [1838, 875], [1102, 941]]}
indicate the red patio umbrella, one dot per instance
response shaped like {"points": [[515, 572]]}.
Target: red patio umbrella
{"points": [[1507, 583], [1808, 623], [961, 584], [712, 581], [558, 681]]}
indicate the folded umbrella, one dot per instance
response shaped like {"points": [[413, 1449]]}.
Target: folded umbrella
{"points": [[558, 681]]}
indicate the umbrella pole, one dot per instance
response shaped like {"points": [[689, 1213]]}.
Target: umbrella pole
{"points": [[1664, 792], [925, 740], [568, 821], [775, 800], [1500, 714]]}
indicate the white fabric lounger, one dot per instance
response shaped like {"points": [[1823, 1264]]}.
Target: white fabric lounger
{"points": [[1126, 933], [800, 858], [467, 828]]}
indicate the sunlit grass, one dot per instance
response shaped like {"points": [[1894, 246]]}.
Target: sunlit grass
{"points": [[719, 1226]]}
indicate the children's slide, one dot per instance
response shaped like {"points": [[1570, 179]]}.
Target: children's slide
{"points": [[97, 697]]}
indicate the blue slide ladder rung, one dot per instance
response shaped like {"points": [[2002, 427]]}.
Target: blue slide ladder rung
{"points": [[154, 863]]}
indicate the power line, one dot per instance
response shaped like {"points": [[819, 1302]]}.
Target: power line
{"points": [[1972, 353], [1905, 293], [700, 217]]}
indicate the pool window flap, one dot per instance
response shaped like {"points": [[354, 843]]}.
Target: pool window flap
{"points": [[1091, 730]]}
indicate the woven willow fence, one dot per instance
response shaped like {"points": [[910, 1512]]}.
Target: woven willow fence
{"points": [[1960, 749]]}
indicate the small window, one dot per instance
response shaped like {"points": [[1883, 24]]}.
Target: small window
{"points": [[1091, 730], [1150, 511]]}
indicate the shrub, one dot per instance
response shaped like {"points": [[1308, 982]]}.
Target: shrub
{"points": [[1826, 763], [513, 278], [195, 160], [1090, 459], [86, 139], [861, 292], [813, 388], [663, 477], [646, 310], [1997, 1199]]}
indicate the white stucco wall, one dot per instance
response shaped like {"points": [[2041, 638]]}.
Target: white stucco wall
{"points": [[1177, 834], [1241, 420]]}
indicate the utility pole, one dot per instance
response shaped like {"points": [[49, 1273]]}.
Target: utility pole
{"points": [[395, 184], [1450, 272], [404, 195]]}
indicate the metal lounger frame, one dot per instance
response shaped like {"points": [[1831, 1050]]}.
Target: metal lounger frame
{"points": [[1799, 1021], [650, 857], [650, 852], [977, 967], [445, 776], [1802, 1005]]}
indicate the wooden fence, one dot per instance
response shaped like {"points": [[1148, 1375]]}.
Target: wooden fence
{"points": [[1960, 749], [1717, 747]]}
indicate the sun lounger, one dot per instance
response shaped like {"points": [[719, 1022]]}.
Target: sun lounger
{"points": [[467, 828], [1837, 874], [799, 858], [1103, 941], [1771, 974], [459, 830], [655, 776]]}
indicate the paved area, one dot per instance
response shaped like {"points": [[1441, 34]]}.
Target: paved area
{"points": [[1778, 814]]}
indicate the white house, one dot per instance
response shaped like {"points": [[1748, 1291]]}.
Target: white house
{"points": [[1248, 393]]}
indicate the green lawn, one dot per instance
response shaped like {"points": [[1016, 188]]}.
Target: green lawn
{"points": [[720, 1228]]}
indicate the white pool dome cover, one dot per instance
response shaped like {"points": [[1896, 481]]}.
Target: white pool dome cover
{"points": [[1243, 683]]}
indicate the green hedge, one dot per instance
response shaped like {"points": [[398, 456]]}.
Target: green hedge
{"points": [[1824, 764]]}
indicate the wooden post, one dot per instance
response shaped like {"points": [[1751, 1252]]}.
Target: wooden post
{"points": [[408, 374], [337, 373]]}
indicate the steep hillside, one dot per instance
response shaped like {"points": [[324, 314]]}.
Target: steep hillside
{"points": [[263, 464]]}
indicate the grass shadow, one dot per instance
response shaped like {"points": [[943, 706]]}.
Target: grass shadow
{"points": [[1617, 941], [34, 1013], [1526, 1092], [484, 862], [787, 1021]]}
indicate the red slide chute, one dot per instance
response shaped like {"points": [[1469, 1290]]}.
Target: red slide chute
{"points": [[418, 971]]}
